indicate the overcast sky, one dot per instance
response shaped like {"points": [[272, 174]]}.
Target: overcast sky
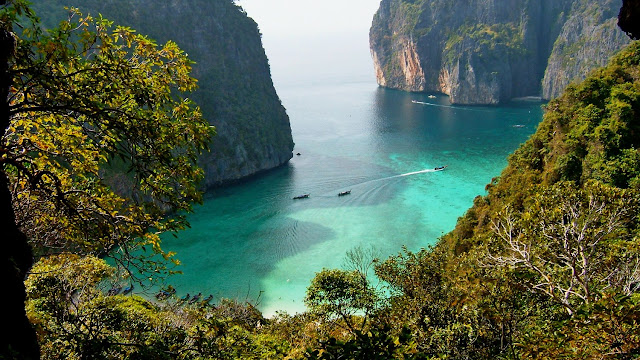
{"points": [[307, 40], [308, 17]]}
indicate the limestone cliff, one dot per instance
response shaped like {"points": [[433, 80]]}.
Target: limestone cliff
{"points": [[585, 43], [236, 93], [490, 51]]}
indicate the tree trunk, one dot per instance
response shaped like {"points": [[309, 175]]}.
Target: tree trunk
{"points": [[17, 339]]}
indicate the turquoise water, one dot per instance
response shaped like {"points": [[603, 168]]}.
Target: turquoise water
{"points": [[252, 240]]}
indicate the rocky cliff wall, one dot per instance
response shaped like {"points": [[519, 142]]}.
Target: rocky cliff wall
{"points": [[236, 92], [587, 40], [490, 51]]}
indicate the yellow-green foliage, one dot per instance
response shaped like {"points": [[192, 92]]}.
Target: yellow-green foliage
{"points": [[74, 319], [86, 96]]}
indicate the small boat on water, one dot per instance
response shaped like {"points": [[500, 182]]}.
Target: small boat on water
{"points": [[128, 289], [207, 300], [164, 294], [195, 298], [114, 290], [303, 196], [343, 193], [431, 96], [440, 168]]}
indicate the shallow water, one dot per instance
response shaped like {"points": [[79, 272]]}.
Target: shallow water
{"points": [[252, 240]]}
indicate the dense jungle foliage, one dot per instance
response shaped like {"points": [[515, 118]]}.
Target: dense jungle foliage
{"points": [[546, 265]]}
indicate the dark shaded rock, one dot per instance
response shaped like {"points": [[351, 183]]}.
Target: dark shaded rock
{"points": [[629, 18], [235, 92]]}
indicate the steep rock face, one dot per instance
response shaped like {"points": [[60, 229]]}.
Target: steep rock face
{"points": [[490, 51], [585, 43], [236, 93]]}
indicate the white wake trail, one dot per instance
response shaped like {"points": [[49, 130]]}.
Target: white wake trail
{"points": [[353, 186], [417, 172]]}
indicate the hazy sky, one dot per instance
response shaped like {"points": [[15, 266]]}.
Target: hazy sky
{"points": [[320, 40], [307, 17]]}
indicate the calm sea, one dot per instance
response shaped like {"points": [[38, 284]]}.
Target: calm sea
{"points": [[254, 242]]}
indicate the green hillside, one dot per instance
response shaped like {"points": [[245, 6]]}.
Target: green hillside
{"points": [[546, 264]]}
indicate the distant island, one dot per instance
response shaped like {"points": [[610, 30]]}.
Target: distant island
{"points": [[488, 52]]}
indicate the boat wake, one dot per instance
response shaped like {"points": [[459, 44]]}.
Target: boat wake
{"points": [[450, 106], [465, 108], [399, 176], [417, 172], [369, 182]]}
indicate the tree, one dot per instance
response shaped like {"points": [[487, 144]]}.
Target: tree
{"points": [[15, 259], [341, 295], [76, 318], [440, 300], [376, 344], [572, 244], [98, 145]]}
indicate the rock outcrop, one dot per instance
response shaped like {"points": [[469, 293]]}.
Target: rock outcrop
{"points": [[490, 51], [236, 92]]}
